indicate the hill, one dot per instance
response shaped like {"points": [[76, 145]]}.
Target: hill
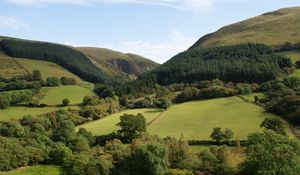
{"points": [[90, 64], [195, 120], [273, 28], [117, 63], [239, 63], [65, 56]]}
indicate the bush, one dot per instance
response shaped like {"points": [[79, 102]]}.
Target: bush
{"points": [[65, 102], [67, 81], [52, 81]]}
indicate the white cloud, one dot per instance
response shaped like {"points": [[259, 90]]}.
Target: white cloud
{"points": [[193, 5], [159, 51], [12, 22]]}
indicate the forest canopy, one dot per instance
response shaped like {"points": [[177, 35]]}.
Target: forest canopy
{"points": [[239, 63]]}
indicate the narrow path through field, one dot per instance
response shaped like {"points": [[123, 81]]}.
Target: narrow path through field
{"points": [[155, 119]]}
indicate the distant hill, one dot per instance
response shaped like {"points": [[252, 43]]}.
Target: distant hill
{"points": [[90, 64], [118, 63], [273, 29]]}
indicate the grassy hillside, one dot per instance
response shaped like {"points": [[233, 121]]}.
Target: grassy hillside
{"points": [[197, 119], [34, 170], [47, 69], [118, 63], [273, 28], [55, 95], [9, 67]]}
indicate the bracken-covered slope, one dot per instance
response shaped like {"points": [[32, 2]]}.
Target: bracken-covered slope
{"points": [[118, 63], [273, 28]]}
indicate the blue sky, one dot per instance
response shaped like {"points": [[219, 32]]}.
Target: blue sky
{"points": [[157, 29]]}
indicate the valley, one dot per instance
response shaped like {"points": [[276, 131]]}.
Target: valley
{"points": [[228, 105]]}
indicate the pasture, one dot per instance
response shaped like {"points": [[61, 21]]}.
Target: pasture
{"points": [[47, 69], [34, 170], [18, 112], [108, 124], [196, 120], [55, 95]]}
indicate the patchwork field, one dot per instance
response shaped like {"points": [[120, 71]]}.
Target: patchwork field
{"points": [[196, 120], [19, 112], [34, 170], [55, 95], [48, 69], [108, 124]]}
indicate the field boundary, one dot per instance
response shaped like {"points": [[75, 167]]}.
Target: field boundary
{"points": [[155, 119]]}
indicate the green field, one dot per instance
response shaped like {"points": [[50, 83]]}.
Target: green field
{"points": [[55, 95], [47, 69], [108, 124], [34, 170], [19, 112], [196, 120], [293, 55], [8, 67]]}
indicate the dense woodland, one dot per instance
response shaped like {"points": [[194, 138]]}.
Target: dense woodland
{"points": [[240, 63], [67, 57]]}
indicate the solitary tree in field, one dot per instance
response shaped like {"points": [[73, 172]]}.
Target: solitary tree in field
{"points": [[274, 124], [65, 102], [131, 126]]}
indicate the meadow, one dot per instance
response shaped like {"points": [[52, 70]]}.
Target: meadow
{"points": [[10, 68], [196, 120], [47, 69], [55, 95], [108, 124], [34, 170], [18, 112]]}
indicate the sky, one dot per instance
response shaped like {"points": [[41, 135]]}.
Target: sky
{"points": [[155, 29]]}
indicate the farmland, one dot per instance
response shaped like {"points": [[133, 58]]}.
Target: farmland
{"points": [[47, 69], [196, 120], [55, 95]]}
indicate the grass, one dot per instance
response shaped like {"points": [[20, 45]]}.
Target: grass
{"points": [[34, 170], [47, 69], [274, 28], [196, 120], [108, 124], [55, 95], [293, 55], [8, 67], [18, 112]]}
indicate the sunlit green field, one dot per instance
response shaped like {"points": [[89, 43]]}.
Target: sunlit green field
{"points": [[108, 124], [55, 95], [34, 170], [19, 112], [293, 55], [196, 120], [47, 69]]}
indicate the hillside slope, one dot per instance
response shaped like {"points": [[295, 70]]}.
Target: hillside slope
{"points": [[118, 63], [91, 64], [273, 28]]}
